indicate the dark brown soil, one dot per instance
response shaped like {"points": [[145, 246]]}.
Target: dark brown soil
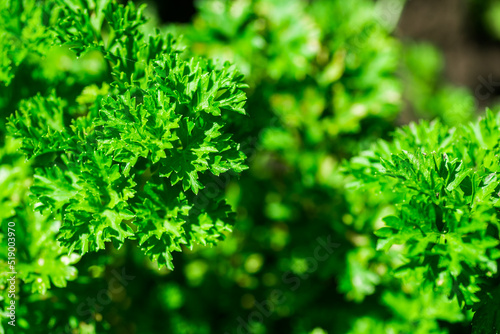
{"points": [[472, 57]]}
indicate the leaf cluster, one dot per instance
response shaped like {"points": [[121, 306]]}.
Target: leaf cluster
{"points": [[446, 191], [133, 160]]}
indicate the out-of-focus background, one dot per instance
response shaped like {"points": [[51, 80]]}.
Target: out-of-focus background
{"points": [[467, 32]]}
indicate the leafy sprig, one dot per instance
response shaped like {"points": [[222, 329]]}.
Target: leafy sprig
{"points": [[446, 189], [133, 164]]}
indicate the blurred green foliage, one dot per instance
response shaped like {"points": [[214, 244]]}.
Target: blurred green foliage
{"points": [[485, 14], [426, 92], [326, 79]]}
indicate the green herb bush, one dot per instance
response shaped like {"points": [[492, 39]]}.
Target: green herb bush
{"points": [[446, 193], [124, 142]]}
